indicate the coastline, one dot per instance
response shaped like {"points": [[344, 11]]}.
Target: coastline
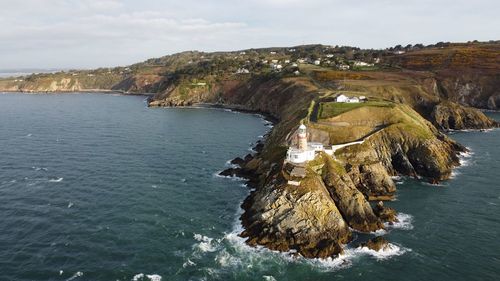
{"points": [[86, 91]]}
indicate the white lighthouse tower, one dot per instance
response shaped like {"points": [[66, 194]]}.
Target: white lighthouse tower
{"points": [[302, 136]]}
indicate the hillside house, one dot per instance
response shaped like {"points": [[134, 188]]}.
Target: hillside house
{"points": [[344, 67]]}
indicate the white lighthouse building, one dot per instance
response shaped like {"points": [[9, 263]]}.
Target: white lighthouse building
{"points": [[304, 151]]}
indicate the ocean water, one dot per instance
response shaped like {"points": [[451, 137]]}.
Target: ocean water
{"points": [[100, 187]]}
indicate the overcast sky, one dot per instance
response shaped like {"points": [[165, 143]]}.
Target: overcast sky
{"points": [[93, 33]]}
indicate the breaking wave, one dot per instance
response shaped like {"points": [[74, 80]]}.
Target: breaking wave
{"points": [[404, 222], [144, 277], [56, 180]]}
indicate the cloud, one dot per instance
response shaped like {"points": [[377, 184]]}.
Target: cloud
{"points": [[90, 33]]}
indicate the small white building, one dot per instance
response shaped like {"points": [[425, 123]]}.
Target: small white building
{"points": [[344, 67], [317, 62], [341, 98], [242, 71], [353, 100], [287, 61], [346, 99], [362, 63], [296, 72]]}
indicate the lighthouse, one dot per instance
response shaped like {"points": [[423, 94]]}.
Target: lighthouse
{"points": [[304, 151], [302, 136]]}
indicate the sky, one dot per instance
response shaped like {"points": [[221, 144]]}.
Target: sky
{"points": [[103, 33]]}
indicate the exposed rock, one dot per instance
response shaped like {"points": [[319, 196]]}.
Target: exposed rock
{"points": [[230, 172], [350, 201], [386, 214], [238, 161], [303, 219], [378, 243], [451, 116]]}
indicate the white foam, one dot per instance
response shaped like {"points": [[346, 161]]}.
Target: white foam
{"points": [[76, 275], [404, 222], [234, 178], [56, 180], [387, 252], [206, 244], [141, 276], [70, 204], [154, 277], [464, 157], [39, 168], [188, 263]]}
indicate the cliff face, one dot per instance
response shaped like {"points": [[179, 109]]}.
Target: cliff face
{"points": [[466, 74]]}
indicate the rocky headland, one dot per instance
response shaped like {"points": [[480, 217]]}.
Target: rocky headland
{"points": [[412, 99]]}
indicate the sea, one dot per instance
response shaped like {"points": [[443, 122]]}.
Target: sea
{"points": [[101, 187]]}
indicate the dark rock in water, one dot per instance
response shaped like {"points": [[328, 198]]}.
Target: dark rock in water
{"points": [[386, 214], [238, 161], [248, 158], [378, 243], [231, 172], [259, 147]]}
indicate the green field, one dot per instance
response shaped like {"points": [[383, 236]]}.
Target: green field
{"points": [[332, 109]]}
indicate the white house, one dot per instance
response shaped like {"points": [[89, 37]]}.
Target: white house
{"points": [[344, 67], [353, 100], [362, 63], [274, 61], [342, 98], [287, 61], [346, 99], [296, 72], [317, 62], [242, 71]]}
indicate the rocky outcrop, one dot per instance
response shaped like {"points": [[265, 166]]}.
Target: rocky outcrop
{"points": [[289, 218], [385, 214], [378, 243], [451, 116], [352, 204]]}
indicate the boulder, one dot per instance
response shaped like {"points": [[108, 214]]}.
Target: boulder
{"points": [[378, 243]]}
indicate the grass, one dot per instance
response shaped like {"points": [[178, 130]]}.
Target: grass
{"points": [[332, 109]]}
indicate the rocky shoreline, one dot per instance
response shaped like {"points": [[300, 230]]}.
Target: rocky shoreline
{"points": [[318, 218]]}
